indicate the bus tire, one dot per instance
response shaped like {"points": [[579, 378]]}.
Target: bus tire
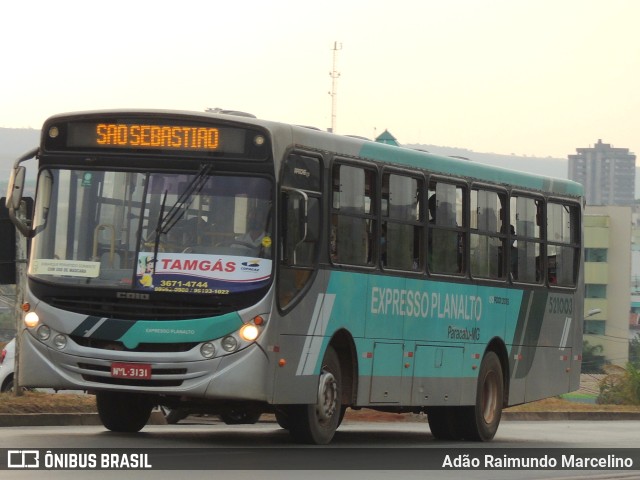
{"points": [[442, 423], [483, 419], [317, 423], [123, 411], [282, 418]]}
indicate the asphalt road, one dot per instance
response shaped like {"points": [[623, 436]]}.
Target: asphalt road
{"points": [[360, 450]]}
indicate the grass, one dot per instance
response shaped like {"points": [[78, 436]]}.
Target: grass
{"points": [[556, 404], [41, 402]]}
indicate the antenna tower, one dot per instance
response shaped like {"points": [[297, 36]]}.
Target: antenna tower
{"points": [[334, 74]]}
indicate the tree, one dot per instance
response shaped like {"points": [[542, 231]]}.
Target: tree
{"points": [[592, 360], [634, 351], [621, 386], [7, 320]]}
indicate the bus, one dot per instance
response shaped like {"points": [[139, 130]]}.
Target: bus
{"points": [[220, 263]]}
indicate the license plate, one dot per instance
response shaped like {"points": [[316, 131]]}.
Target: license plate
{"points": [[131, 370]]}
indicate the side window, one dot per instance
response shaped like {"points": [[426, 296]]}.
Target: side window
{"points": [[353, 224], [447, 236], [526, 215], [300, 219], [401, 241], [488, 238], [563, 247]]}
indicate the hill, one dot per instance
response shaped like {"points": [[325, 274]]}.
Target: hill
{"points": [[16, 141], [553, 167]]}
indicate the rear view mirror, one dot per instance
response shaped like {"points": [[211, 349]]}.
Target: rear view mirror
{"points": [[15, 193], [16, 187]]}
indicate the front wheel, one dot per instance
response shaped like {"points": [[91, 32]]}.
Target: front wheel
{"points": [[317, 423], [123, 411]]}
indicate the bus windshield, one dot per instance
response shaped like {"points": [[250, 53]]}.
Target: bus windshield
{"points": [[198, 233]]}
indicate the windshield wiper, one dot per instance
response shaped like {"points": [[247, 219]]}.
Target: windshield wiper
{"points": [[156, 243], [177, 212]]}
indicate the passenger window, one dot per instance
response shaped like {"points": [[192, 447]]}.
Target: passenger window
{"points": [[352, 222], [563, 247], [488, 252], [526, 259], [402, 233], [447, 236]]}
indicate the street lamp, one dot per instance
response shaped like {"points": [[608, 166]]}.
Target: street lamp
{"points": [[592, 312]]}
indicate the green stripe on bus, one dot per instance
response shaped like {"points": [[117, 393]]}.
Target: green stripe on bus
{"points": [[468, 169], [172, 331]]}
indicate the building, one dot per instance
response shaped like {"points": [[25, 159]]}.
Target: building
{"points": [[607, 278], [386, 137], [608, 174]]}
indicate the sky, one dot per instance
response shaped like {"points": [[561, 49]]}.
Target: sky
{"points": [[528, 77]]}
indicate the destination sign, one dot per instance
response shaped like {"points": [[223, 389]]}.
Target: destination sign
{"points": [[157, 136], [151, 134]]}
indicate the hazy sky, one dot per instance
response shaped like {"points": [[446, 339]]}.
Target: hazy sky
{"points": [[534, 77]]}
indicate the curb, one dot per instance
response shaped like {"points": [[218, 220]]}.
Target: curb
{"points": [[591, 416], [62, 419], [157, 418]]}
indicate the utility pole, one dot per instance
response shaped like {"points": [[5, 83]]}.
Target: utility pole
{"points": [[334, 74], [21, 276]]}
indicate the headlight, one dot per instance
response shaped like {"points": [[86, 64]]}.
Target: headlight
{"points": [[207, 350], [43, 332], [31, 319], [60, 341], [229, 343], [249, 332]]}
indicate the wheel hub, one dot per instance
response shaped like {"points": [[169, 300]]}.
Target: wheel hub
{"points": [[327, 396]]}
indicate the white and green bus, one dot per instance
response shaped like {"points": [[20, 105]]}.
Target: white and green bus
{"points": [[220, 263]]}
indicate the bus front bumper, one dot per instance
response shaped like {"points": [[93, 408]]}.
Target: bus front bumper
{"points": [[240, 376]]}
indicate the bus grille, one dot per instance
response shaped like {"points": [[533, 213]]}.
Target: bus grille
{"points": [[141, 347], [128, 309]]}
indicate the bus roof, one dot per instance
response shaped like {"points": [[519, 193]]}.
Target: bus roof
{"points": [[411, 158], [368, 149], [470, 169]]}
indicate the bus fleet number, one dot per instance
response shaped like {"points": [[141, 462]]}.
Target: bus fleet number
{"points": [[560, 305]]}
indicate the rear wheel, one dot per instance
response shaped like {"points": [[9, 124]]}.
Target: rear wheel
{"points": [[484, 418], [443, 422], [479, 422], [317, 423], [123, 412]]}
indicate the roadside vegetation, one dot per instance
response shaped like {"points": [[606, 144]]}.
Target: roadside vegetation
{"points": [[42, 402], [621, 386]]}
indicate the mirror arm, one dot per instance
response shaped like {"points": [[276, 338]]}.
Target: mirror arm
{"points": [[27, 156], [22, 227]]}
